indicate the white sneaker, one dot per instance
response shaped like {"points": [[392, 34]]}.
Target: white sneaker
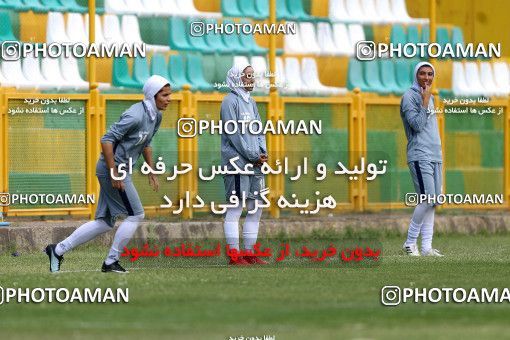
{"points": [[411, 249], [433, 252]]}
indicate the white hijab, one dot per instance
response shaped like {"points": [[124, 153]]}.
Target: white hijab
{"points": [[234, 81], [150, 89], [417, 86]]}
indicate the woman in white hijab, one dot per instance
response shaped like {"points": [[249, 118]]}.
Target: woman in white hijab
{"points": [[124, 142], [424, 158], [250, 149]]}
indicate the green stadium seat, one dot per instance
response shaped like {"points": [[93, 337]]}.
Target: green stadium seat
{"points": [[413, 35], [177, 71], [372, 77], [402, 71], [398, 34], [232, 41], [73, 6], [54, 6], [223, 64], [198, 43], [179, 35], [120, 74], [388, 78], [16, 5], [34, 5], [140, 70], [425, 34], [297, 12], [355, 76], [209, 68], [229, 8], [159, 66], [248, 41], [5, 5], [249, 9], [154, 30], [457, 36], [6, 32], [282, 12], [262, 8], [215, 41], [195, 73]]}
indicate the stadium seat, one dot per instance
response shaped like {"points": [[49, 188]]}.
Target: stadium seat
{"points": [[282, 12], [403, 73], [413, 35], [35, 6], [71, 73], [249, 9], [355, 76], [52, 73], [55, 28], [249, 43], [115, 7], [280, 81], [293, 79], [310, 78], [168, 8], [32, 72], [399, 10], [75, 28], [259, 65], [140, 70], [72, 6], [337, 11], [354, 11], [177, 71], [398, 34], [229, 8], [195, 73], [460, 85], [98, 32], [6, 32], [131, 34], [502, 76], [341, 38], [215, 41], [13, 74], [262, 8], [372, 76], [369, 13], [54, 6], [356, 33], [179, 35], [223, 63], [308, 38], [120, 74], [325, 39], [297, 11], [111, 30], [232, 41], [3, 81], [457, 38], [473, 78], [384, 12], [292, 42], [442, 37], [136, 7], [159, 66], [388, 77], [488, 80], [198, 43]]}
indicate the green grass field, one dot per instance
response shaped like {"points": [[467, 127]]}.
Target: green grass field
{"points": [[289, 303]]}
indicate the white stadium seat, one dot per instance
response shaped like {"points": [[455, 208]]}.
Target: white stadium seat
{"points": [[472, 73], [32, 72], [354, 10], [115, 7], [11, 71], [341, 38], [71, 73], [292, 42], [75, 28], [310, 78], [488, 82], [308, 38], [384, 12], [98, 32], [356, 33], [460, 85], [399, 10], [259, 65], [369, 11], [337, 11], [111, 30], [51, 72], [325, 39], [55, 28], [502, 76]]}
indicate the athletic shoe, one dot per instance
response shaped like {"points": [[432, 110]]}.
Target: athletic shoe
{"points": [[433, 252], [411, 249], [55, 260], [239, 262], [114, 267], [254, 260]]}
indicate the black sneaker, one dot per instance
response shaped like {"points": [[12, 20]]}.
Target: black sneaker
{"points": [[114, 267], [55, 260]]}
